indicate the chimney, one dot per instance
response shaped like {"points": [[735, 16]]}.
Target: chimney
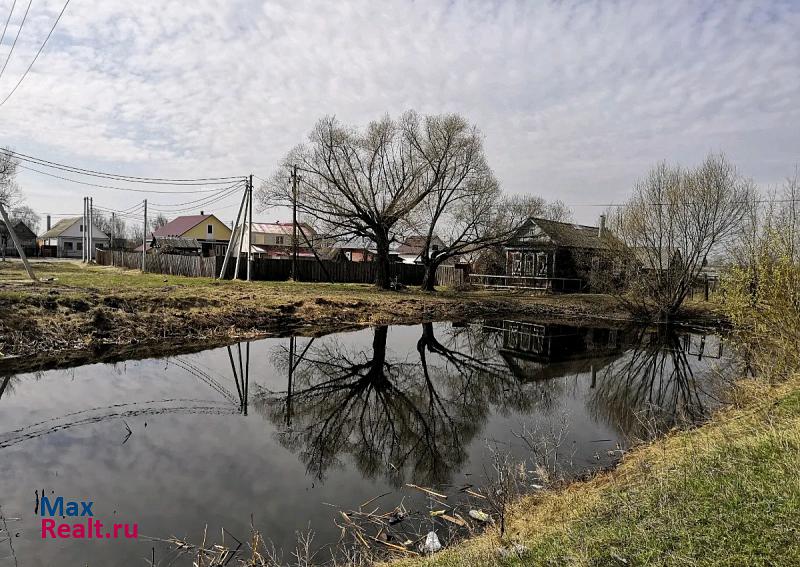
{"points": [[601, 231], [48, 222], [201, 213]]}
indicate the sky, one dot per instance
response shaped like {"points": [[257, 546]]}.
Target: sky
{"points": [[576, 100]]}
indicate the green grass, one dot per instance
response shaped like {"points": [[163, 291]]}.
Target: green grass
{"points": [[727, 493]]}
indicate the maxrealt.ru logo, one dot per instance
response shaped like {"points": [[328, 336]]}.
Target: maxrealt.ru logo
{"points": [[76, 521]]}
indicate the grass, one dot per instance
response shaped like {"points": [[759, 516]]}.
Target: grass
{"points": [[75, 308], [727, 493]]}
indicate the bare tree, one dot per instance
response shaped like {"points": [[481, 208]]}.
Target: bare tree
{"points": [[159, 221], [675, 219], [363, 183], [27, 215], [9, 196]]}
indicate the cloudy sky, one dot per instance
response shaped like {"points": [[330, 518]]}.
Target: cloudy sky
{"points": [[576, 99]]}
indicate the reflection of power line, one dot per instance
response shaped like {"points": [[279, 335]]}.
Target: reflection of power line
{"points": [[116, 411]]}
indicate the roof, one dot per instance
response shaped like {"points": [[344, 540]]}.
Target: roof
{"points": [[563, 234], [176, 243], [60, 227], [20, 229], [180, 225], [281, 228], [415, 244]]}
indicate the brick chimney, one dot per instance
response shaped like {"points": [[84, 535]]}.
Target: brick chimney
{"points": [[601, 231], [48, 222]]}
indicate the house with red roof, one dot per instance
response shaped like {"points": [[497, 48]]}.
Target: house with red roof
{"points": [[210, 232]]}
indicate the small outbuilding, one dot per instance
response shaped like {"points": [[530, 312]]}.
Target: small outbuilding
{"points": [[176, 245], [26, 237]]}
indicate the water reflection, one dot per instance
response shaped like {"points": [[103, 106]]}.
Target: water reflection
{"points": [[407, 416]]}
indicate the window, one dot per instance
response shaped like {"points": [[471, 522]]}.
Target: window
{"points": [[81, 228], [68, 245], [541, 265], [279, 240], [516, 263], [435, 247], [210, 229]]}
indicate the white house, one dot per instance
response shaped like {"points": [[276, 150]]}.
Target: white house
{"points": [[65, 239]]}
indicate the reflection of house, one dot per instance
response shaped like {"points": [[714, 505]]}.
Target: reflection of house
{"points": [[210, 232], [175, 245], [26, 237], [555, 255], [535, 351], [65, 239]]}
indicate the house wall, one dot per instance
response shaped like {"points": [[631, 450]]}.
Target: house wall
{"points": [[218, 230]]}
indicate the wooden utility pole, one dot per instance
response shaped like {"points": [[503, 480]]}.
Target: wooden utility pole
{"points": [[84, 241], [228, 251], [15, 240], [91, 231], [249, 232], [113, 230], [294, 223], [144, 239]]}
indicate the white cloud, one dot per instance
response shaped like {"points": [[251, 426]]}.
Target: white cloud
{"points": [[576, 98]]}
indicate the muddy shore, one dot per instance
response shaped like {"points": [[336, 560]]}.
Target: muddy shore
{"points": [[92, 314]]}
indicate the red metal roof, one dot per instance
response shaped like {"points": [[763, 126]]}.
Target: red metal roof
{"points": [[178, 226]]}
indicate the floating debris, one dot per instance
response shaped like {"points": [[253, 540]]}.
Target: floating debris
{"points": [[431, 544], [480, 515]]}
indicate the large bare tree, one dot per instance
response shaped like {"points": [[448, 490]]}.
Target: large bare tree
{"points": [[674, 221], [365, 182]]}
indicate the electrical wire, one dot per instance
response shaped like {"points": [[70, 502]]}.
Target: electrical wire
{"points": [[118, 188], [5, 28], [35, 57], [228, 191], [205, 203], [120, 177], [13, 45]]}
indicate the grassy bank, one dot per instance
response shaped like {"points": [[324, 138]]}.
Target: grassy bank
{"points": [[727, 493], [77, 311]]}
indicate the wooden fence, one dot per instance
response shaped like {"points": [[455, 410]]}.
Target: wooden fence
{"points": [[450, 276], [268, 269], [168, 264]]}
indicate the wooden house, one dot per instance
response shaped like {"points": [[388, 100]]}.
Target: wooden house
{"points": [[557, 256], [26, 237]]}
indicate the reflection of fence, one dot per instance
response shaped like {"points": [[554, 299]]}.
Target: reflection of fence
{"points": [[526, 282], [169, 264]]}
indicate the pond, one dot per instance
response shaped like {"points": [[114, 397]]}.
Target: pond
{"points": [[283, 430]]}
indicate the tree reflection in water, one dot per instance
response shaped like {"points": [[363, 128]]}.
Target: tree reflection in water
{"points": [[661, 382], [404, 419]]}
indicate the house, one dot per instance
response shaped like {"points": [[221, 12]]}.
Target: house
{"points": [[410, 250], [176, 245], [360, 249], [65, 239], [556, 255], [274, 240], [210, 233], [26, 237]]}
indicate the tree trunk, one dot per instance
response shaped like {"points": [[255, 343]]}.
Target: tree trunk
{"points": [[429, 279], [383, 273]]}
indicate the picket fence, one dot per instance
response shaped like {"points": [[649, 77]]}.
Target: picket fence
{"points": [[168, 264]]}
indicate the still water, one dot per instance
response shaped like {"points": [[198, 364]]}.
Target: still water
{"points": [[282, 428]]}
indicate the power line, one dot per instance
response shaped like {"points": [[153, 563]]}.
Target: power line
{"points": [[13, 45], [227, 191], [120, 177], [5, 28], [35, 57], [206, 202], [117, 188]]}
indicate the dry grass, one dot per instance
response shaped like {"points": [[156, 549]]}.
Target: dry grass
{"points": [[726, 493]]}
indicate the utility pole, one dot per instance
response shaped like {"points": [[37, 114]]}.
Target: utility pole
{"points": [[84, 243], [228, 251], [91, 231], [240, 239], [294, 222], [144, 238], [12, 233], [113, 230], [249, 231]]}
